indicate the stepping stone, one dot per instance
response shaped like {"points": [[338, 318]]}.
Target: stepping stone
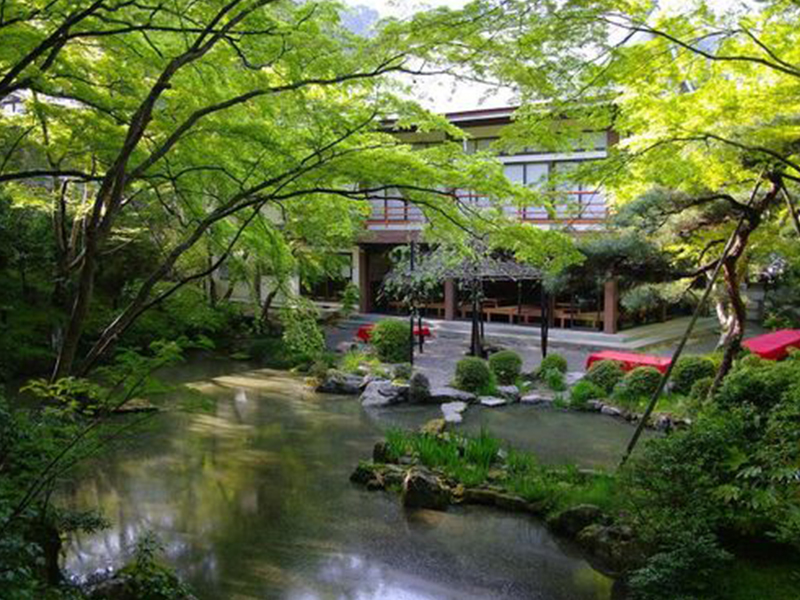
{"points": [[452, 411], [448, 394], [540, 398], [492, 401]]}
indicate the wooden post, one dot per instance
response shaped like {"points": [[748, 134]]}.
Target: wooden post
{"points": [[611, 306], [364, 290], [450, 299]]}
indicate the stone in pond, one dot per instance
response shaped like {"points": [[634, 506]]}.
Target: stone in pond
{"points": [[382, 392], [336, 382], [452, 411], [135, 405], [419, 388], [611, 411], [492, 401], [450, 394], [509, 392], [572, 520], [434, 427], [612, 546], [423, 489], [542, 398]]}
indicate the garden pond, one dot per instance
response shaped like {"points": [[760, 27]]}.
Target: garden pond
{"points": [[250, 496]]}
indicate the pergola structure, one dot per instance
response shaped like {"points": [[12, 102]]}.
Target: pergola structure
{"points": [[414, 278]]}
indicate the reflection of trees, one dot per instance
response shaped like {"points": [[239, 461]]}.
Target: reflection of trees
{"points": [[216, 486]]}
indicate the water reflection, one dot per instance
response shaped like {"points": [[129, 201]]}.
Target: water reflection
{"points": [[252, 501]]}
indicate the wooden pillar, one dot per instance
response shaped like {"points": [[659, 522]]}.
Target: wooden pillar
{"points": [[450, 294], [364, 289], [611, 306]]}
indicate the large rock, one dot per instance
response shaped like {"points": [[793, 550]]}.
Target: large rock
{"points": [[613, 548], [509, 392], [452, 411], [423, 489], [450, 394], [419, 388], [572, 520], [382, 392], [336, 382], [611, 411]]}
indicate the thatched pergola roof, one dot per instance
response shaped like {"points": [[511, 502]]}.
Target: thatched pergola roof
{"points": [[438, 266]]}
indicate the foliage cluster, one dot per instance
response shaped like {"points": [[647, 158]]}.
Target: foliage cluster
{"points": [[147, 577], [301, 331]]}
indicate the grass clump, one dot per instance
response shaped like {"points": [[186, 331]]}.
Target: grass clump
{"points": [[584, 391]]}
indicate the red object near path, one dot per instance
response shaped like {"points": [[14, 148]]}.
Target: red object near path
{"points": [[630, 360], [775, 345], [364, 332]]}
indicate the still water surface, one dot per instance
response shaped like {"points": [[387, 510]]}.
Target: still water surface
{"points": [[252, 500]]}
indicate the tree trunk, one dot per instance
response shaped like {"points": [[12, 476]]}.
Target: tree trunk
{"points": [[738, 315], [263, 319], [80, 310]]}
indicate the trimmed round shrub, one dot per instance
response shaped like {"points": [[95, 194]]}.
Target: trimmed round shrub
{"points": [[553, 361], [690, 369], [605, 374], [473, 374], [752, 360], [391, 340], [641, 382], [506, 365], [582, 392], [403, 371], [701, 388], [760, 386]]}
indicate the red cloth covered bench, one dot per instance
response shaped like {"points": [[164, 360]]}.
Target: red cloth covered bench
{"points": [[630, 360], [775, 345], [364, 332]]}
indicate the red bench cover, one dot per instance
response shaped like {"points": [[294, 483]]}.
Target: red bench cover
{"points": [[630, 360], [364, 332], [775, 345]]}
